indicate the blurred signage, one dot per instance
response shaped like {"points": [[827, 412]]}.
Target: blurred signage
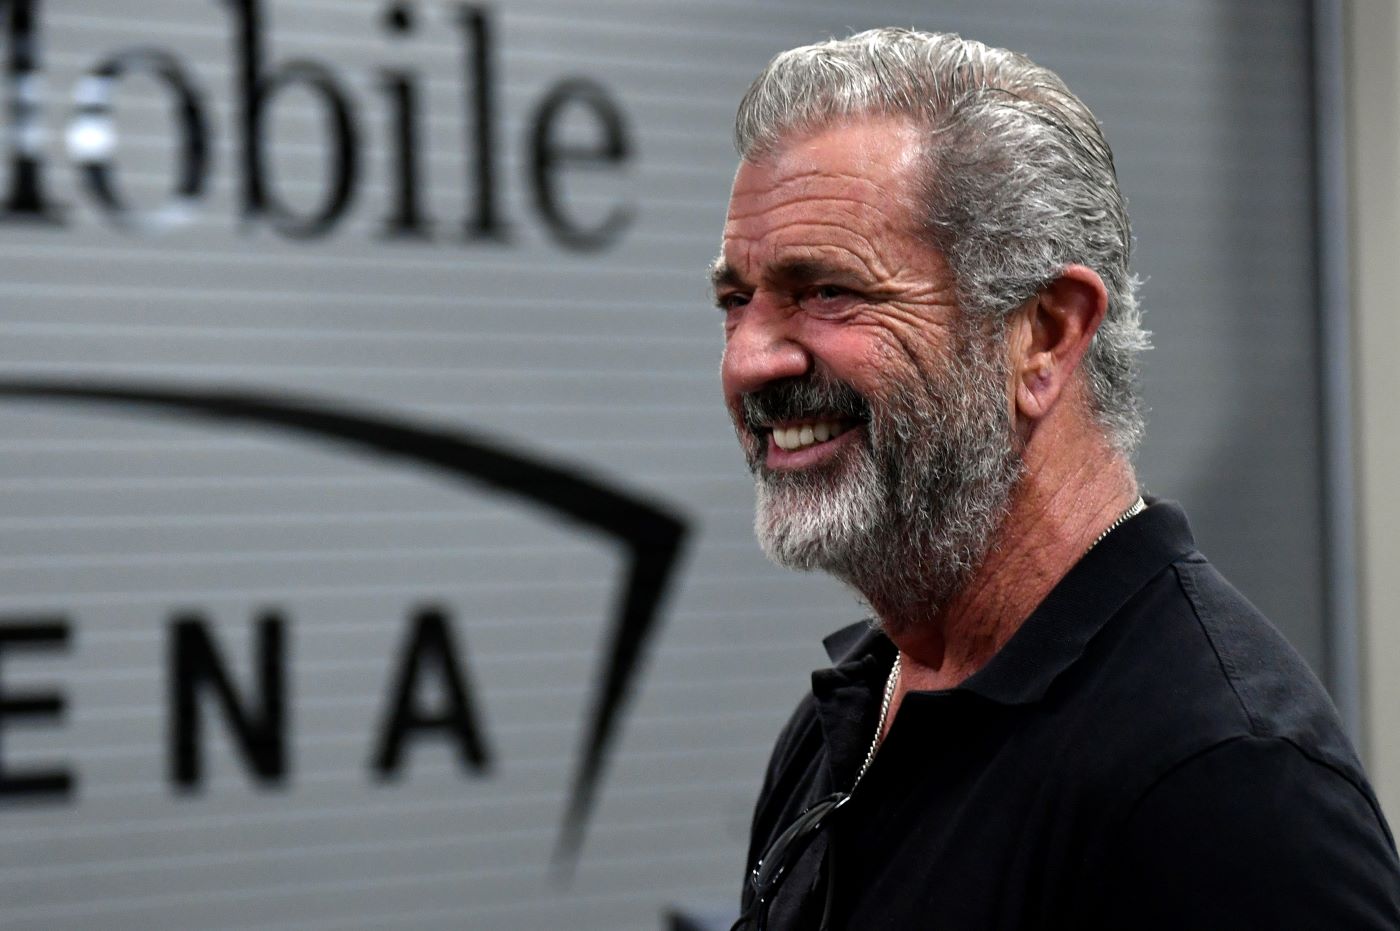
{"points": [[91, 134], [257, 714]]}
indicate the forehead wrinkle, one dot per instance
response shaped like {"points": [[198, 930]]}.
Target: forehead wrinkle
{"points": [[871, 177], [855, 221], [785, 263], [768, 204], [850, 244]]}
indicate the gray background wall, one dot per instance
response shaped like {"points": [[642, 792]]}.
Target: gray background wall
{"points": [[117, 519]]}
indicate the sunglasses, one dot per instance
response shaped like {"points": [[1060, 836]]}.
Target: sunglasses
{"points": [[772, 868]]}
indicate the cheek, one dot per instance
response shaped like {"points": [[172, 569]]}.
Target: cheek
{"points": [[728, 391], [726, 374], [849, 346], [898, 357]]}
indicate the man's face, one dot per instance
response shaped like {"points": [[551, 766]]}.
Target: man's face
{"points": [[876, 419]]}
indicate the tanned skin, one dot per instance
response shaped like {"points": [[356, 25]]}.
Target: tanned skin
{"points": [[824, 268]]}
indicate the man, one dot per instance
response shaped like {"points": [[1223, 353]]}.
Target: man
{"points": [[1061, 716]]}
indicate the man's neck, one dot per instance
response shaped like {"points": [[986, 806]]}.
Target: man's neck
{"points": [[1058, 510]]}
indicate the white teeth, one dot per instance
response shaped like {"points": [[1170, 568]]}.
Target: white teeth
{"points": [[791, 438]]}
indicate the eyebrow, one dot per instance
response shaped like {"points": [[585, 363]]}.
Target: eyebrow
{"points": [[788, 272], [805, 271], [723, 275]]}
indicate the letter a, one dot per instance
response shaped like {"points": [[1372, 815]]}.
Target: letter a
{"points": [[430, 648]]}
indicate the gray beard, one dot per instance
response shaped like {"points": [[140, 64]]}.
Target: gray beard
{"points": [[908, 515]]}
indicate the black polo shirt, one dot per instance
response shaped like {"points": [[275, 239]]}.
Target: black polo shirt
{"points": [[1145, 752]]}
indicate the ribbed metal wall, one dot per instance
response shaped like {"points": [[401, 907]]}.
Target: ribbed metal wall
{"points": [[118, 518]]}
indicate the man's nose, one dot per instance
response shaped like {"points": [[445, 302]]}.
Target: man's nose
{"points": [[763, 346]]}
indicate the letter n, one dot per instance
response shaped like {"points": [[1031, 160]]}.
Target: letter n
{"points": [[258, 727]]}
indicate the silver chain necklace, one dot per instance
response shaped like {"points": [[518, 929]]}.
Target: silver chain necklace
{"points": [[892, 680], [1130, 513], [890, 683]]}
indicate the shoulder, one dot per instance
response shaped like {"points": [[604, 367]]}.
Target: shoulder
{"points": [[1188, 662], [1269, 688], [1231, 790], [1185, 666], [1257, 832]]}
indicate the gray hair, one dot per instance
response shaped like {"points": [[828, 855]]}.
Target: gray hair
{"points": [[1018, 179]]}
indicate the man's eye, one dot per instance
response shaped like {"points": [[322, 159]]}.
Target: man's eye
{"points": [[731, 301], [826, 293]]}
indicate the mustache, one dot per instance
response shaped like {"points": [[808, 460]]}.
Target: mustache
{"points": [[801, 397]]}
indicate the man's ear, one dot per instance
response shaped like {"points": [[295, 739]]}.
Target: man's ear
{"points": [[1051, 334]]}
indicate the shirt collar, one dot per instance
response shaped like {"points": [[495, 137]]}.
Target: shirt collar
{"points": [[1054, 637]]}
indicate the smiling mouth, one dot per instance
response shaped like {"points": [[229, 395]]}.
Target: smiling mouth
{"points": [[800, 436]]}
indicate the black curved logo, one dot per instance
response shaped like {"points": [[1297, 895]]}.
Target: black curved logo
{"points": [[651, 534]]}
